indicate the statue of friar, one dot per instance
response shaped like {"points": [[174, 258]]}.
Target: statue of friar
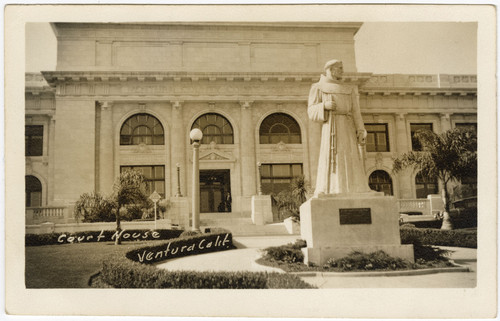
{"points": [[341, 157]]}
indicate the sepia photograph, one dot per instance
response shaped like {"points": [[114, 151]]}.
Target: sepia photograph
{"points": [[287, 160]]}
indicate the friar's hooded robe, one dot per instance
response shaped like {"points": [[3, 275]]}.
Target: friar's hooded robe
{"points": [[347, 174]]}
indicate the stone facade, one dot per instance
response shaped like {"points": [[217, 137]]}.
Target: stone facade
{"points": [[177, 72]]}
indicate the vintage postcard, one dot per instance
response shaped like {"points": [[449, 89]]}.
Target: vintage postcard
{"points": [[271, 161]]}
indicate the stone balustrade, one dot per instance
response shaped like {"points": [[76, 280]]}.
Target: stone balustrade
{"points": [[414, 205], [46, 214]]}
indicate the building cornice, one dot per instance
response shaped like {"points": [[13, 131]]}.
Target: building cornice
{"points": [[58, 27], [54, 78], [369, 84]]}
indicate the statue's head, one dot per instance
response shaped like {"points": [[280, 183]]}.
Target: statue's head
{"points": [[334, 69]]}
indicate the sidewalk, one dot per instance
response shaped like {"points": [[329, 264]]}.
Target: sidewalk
{"points": [[249, 249]]}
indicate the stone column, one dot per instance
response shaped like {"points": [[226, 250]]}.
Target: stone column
{"points": [[50, 180], [247, 151], [404, 177], [106, 162], [401, 134], [178, 149], [445, 122]]}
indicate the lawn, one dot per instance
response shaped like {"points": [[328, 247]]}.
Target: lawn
{"points": [[70, 265]]}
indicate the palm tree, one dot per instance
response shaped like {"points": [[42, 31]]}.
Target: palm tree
{"points": [[289, 200], [299, 189], [449, 156], [129, 188]]}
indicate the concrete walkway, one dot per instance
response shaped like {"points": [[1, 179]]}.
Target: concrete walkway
{"points": [[249, 249]]}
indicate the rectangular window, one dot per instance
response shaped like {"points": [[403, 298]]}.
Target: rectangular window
{"points": [[472, 126], [415, 144], [155, 177], [377, 139], [277, 177], [33, 139]]}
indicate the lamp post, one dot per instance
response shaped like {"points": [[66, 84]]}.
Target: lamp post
{"points": [[196, 135], [179, 194], [259, 179], [155, 197]]}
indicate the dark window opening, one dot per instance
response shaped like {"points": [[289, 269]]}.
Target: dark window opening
{"points": [[277, 177], [33, 139], [142, 129], [279, 127], [154, 177], [377, 139], [425, 185], [215, 128], [33, 189], [381, 181], [415, 144]]}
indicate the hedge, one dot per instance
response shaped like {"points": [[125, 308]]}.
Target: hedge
{"points": [[464, 217], [458, 238], [436, 224], [134, 270], [99, 236], [127, 274]]}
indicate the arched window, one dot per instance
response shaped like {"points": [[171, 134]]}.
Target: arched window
{"points": [[141, 128], [279, 127], [215, 128], [425, 185], [381, 181], [33, 189]]}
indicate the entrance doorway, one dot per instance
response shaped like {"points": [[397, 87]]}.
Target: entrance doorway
{"points": [[215, 191]]}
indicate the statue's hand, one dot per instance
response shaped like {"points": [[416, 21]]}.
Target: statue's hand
{"points": [[330, 105], [361, 136]]}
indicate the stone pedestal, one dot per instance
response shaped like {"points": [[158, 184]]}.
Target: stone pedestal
{"points": [[179, 212], [436, 204], [262, 209], [292, 226], [337, 224], [47, 228]]}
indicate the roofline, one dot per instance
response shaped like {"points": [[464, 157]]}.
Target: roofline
{"points": [[247, 24]]}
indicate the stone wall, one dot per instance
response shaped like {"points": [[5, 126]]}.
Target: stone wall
{"points": [[204, 46]]}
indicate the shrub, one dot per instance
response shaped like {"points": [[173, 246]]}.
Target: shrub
{"points": [[464, 217], [436, 224], [93, 207], [289, 200], [407, 225], [458, 238], [132, 212], [430, 253], [289, 253], [127, 274], [286, 281], [372, 261], [299, 243], [123, 274], [189, 233], [41, 239], [98, 236], [219, 230]]}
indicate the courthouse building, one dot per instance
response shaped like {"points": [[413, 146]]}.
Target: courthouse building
{"points": [[127, 96]]}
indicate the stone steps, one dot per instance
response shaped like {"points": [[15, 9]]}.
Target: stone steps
{"points": [[240, 224]]}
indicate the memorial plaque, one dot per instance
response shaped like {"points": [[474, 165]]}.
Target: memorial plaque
{"points": [[355, 216]]}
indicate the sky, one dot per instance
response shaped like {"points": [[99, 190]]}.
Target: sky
{"points": [[380, 47]]}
